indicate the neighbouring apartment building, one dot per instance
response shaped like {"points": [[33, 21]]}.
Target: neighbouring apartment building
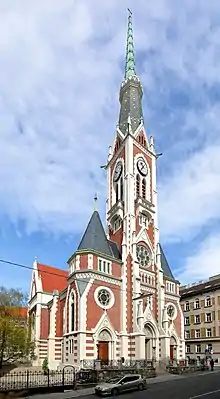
{"points": [[118, 298], [200, 303]]}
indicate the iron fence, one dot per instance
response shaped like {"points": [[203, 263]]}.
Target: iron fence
{"points": [[37, 379], [117, 364]]}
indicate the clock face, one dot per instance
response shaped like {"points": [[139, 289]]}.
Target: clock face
{"points": [[142, 166], [170, 311], [118, 171]]}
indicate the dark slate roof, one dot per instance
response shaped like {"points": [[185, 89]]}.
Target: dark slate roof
{"points": [[201, 287], [95, 238], [165, 266], [115, 250]]}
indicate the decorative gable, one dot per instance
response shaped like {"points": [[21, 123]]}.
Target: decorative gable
{"points": [[104, 324], [143, 236]]}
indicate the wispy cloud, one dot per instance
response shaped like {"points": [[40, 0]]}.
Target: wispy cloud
{"points": [[203, 262], [61, 64]]}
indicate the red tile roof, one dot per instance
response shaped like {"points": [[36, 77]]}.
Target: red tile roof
{"points": [[52, 278], [17, 311]]}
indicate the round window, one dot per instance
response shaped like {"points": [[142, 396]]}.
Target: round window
{"points": [[104, 297], [143, 255]]}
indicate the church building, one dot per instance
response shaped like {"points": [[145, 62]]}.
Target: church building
{"points": [[118, 297]]}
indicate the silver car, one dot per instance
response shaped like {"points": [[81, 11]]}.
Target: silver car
{"points": [[114, 386]]}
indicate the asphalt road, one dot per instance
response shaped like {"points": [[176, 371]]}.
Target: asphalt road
{"points": [[205, 386]]}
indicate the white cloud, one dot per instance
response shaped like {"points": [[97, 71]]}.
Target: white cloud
{"points": [[190, 197], [60, 70], [203, 263]]}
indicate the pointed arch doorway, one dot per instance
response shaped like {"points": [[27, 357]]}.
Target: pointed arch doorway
{"points": [[150, 341], [173, 345], [104, 346]]}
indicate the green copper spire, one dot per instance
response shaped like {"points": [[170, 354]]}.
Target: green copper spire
{"points": [[130, 96], [130, 60]]}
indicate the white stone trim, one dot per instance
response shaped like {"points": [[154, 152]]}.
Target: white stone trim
{"points": [[147, 178], [143, 236], [112, 297], [72, 300], [93, 276], [90, 261], [172, 297], [101, 259], [113, 184]]}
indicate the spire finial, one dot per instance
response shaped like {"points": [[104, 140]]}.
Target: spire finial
{"points": [[130, 61], [95, 201]]}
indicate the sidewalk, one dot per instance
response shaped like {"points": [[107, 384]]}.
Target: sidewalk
{"points": [[90, 391]]}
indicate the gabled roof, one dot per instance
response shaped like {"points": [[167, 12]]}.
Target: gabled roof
{"points": [[165, 266], [52, 278], [95, 238]]}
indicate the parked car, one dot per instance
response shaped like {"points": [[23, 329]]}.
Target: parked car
{"points": [[114, 386]]}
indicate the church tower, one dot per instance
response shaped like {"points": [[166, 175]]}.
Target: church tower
{"points": [[119, 298], [132, 222]]}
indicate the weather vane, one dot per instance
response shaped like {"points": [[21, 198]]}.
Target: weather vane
{"points": [[129, 11]]}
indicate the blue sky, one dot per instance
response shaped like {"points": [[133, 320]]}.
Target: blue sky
{"points": [[61, 66]]}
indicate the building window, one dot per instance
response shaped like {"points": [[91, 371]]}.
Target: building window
{"points": [[208, 317], [73, 316], [121, 189], [208, 301], [198, 348], [187, 306], [209, 348], [197, 319], [71, 345], [116, 193], [149, 302], [117, 224], [143, 220], [197, 305], [208, 332], [104, 266], [170, 287], [187, 335], [137, 185], [188, 348], [197, 334], [144, 188], [187, 321], [72, 326]]}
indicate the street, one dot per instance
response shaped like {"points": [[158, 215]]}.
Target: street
{"points": [[188, 387]]}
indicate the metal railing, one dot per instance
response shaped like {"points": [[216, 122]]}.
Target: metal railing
{"points": [[117, 364], [19, 380]]}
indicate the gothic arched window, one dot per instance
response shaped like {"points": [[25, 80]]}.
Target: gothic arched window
{"points": [[137, 185], [72, 312], [121, 189], [116, 193], [144, 188]]}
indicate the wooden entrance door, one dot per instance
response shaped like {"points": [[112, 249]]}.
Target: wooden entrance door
{"points": [[103, 351], [171, 352]]}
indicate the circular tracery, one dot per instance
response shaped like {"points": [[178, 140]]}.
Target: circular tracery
{"points": [[143, 255], [104, 297]]}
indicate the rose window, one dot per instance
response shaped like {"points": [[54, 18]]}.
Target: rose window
{"points": [[170, 311], [143, 255], [104, 297]]}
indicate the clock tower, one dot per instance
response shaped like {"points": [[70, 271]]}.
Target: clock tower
{"points": [[132, 222]]}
